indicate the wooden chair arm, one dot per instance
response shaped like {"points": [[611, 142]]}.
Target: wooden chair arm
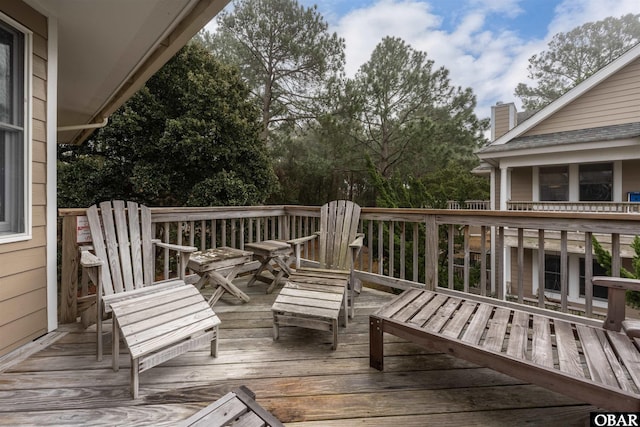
{"points": [[616, 304], [358, 242], [87, 260], [172, 247], [301, 240], [617, 283]]}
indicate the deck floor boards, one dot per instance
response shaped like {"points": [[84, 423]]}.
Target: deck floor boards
{"points": [[298, 378]]}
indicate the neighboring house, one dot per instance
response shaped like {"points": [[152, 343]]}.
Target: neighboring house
{"points": [[65, 66], [581, 152]]}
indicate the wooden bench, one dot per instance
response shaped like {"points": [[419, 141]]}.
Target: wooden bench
{"points": [[237, 408], [568, 354]]}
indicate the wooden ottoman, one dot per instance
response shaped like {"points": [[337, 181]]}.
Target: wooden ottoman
{"points": [[160, 326], [312, 299]]}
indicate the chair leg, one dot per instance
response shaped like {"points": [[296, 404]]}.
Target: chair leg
{"points": [[214, 344], [99, 333], [115, 344], [334, 328], [276, 329], [135, 377]]}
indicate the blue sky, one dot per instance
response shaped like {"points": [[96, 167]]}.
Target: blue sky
{"points": [[485, 44]]}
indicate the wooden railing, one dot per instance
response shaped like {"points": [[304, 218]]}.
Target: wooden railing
{"points": [[618, 207], [403, 247]]}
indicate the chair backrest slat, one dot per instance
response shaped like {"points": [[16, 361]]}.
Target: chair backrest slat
{"points": [[136, 244], [339, 221], [111, 243], [122, 238], [99, 247], [148, 258], [124, 244]]}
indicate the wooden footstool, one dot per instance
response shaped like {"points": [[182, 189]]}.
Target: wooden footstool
{"points": [[160, 326], [311, 299], [266, 252]]}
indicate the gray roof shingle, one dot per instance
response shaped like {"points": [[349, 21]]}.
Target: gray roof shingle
{"points": [[604, 133]]}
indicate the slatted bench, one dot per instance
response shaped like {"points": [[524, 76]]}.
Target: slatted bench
{"points": [[237, 408], [561, 352]]}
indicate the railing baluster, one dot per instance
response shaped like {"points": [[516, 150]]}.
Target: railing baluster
{"points": [[483, 260], [416, 270], [541, 268], [588, 274], [466, 258], [403, 249], [370, 243], [564, 271], [380, 248], [391, 248], [451, 251], [520, 265], [499, 275]]}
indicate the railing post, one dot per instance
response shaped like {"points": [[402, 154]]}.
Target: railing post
{"points": [[431, 253], [69, 277]]}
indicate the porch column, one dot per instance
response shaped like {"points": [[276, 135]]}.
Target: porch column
{"points": [[504, 187]]}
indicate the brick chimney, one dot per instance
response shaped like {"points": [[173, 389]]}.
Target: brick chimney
{"points": [[503, 119]]}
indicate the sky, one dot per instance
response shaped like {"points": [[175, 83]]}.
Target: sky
{"points": [[485, 44]]}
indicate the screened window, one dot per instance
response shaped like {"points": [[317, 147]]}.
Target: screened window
{"points": [[554, 183], [13, 182], [596, 182]]}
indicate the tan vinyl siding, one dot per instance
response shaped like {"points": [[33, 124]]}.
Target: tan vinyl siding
{"points": [[501, 116], [23, 275], [521, 184], [616, 100], [630, 177]]}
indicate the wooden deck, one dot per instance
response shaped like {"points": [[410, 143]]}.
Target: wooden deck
{"points": [[298, 378]]}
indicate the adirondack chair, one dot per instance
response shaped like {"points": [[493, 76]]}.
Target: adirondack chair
{"points": [[158, 320], [314, 296]]}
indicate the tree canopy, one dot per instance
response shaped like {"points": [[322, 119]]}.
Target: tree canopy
{"points": [[285, 53], [190, 136], [572, 57]]}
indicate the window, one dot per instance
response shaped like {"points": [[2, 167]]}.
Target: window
{"points": [[552, 273], [554, 184], [13, 136], [599, 292], [596, 182]]}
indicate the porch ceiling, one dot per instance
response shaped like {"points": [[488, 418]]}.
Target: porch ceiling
{"points": [[108, 49]]}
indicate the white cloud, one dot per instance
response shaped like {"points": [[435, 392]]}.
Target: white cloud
{"points": [[479, 54], [475, 56]]}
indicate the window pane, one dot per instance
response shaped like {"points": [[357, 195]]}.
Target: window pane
{"points": [[554, 183], [598, 291], [552, 273], [12, 137], [596, 182], [7, 40]]}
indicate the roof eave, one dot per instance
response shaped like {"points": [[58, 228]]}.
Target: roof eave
{"points": [[203, 12]]}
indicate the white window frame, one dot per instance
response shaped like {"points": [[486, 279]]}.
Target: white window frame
{"points": [[6, 236]]}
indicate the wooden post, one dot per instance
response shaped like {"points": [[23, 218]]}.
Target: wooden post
{"points": [[69, 277]]}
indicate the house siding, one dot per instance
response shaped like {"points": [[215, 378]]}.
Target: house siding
{"points": [[522, 184], [614, 101], [23, 275], [630, 177]]}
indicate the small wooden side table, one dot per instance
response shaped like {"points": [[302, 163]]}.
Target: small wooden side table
{"points": [[218, 267], [265, 252]]}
